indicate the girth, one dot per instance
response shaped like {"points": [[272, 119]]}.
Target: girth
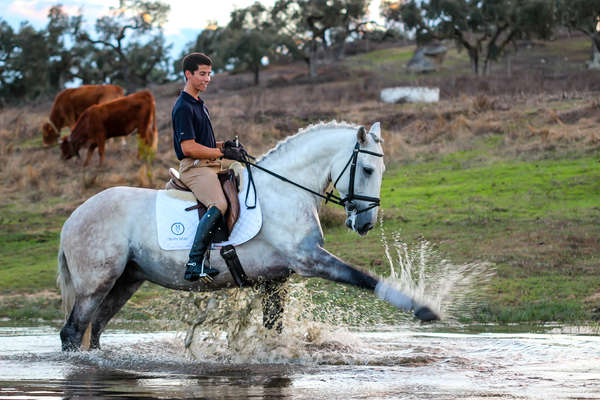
{"points": [[229, 183]]}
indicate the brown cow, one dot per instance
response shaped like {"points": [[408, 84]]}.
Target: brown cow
{"points": [[71, 103], [119, 117]]}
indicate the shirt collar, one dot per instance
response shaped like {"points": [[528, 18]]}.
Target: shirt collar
{"points": [[189, 98]]}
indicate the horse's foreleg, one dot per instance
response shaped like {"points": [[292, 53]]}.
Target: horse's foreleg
{"points": [[274, 294], [325, 265]]}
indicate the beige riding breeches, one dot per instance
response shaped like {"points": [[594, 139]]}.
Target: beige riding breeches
{"points": [[201, 177]]}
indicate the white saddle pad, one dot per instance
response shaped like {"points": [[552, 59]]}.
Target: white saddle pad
{"points": [[177, 227]]}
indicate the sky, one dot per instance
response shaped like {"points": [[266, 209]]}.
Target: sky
{"points": [[186, 19]]}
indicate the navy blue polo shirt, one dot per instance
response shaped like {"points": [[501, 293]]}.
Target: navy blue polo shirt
{"points": [[191, 121]]}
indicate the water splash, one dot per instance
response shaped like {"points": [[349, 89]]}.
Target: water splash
{"points": [[230, 329], [419, 270], [227, 325]]}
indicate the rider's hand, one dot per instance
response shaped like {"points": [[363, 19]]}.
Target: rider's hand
{"points": [[228, 143], [234, 153]]}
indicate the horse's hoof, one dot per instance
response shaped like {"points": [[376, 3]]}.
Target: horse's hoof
{"points": [[425, 314]]}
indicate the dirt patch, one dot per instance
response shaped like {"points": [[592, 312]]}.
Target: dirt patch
{"points": [[574, 115], [44, 294]]}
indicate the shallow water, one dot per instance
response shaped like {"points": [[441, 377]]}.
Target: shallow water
{"points": [[389, 364]]}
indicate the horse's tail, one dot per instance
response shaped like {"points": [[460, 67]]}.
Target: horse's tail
{"points": [[64, 283]]}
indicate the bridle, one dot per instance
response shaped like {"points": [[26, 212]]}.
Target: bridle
{"points": [[351, 196], [330, 196]]}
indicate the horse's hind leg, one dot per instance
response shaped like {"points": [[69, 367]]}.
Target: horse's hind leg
{"points": [[122, 291], [71, 334]]}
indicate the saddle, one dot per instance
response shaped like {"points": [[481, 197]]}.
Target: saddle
{"points": [[229, 183]]}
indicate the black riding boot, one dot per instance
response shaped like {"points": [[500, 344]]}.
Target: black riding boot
{"points": [[205, 233]]}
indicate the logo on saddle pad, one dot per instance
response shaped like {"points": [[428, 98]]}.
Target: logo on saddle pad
{"points": [[178, 228]]}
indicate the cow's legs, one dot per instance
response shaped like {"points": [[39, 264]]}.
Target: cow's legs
{"points": [[144, 138], [89, 154], [122, 291], [101, 144]]}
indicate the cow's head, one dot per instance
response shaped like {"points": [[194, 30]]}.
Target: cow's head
{"points": [[49, 134], [67, 148]]}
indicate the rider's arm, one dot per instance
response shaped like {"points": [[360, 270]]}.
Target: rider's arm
{"points": [[196, 150]]}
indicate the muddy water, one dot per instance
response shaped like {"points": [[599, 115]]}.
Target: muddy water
{"points": [[390, 364]]}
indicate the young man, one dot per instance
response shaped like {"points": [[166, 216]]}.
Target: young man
{"points": [[199, 154]]}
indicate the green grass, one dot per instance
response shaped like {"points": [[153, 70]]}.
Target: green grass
{"points": [[386, 56], [537, 221], [453, 191], [29, 242]]}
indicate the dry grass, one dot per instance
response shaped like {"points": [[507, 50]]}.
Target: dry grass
{"points": [[527, 118]]}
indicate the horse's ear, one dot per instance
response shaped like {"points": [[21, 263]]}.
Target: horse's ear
{"points": [[361, 135], [375, 131]]}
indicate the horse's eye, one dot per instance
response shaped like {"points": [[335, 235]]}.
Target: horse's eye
{"points": [[368, 170]]}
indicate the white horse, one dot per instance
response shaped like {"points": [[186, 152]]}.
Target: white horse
{"points": [[109, 245]]}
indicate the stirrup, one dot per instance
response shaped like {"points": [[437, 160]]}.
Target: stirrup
{"points": [[206, 272]]}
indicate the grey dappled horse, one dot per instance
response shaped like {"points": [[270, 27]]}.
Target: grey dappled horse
{"points": [[109, 246]]}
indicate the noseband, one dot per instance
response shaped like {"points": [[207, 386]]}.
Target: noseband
{"points": [[330, 197], [351, 196]]}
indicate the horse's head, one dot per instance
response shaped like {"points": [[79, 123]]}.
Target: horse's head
{"points": [[360, 181], [67, 148]]}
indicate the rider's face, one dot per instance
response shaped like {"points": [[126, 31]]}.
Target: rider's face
{"points": [[200, 78]]}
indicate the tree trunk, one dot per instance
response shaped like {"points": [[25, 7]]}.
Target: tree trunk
{"points": [[312, 63], [474, 58], [256, 76]]}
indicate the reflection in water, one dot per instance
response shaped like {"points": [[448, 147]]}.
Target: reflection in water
{"points": [[94, 383]]}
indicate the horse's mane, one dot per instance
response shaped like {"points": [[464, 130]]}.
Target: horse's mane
{"points": [[303, 131]]}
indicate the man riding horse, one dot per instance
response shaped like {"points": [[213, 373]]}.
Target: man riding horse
{"points": [[199, 155]]}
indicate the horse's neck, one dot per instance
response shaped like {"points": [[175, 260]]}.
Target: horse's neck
{"points": [[306, 159]]}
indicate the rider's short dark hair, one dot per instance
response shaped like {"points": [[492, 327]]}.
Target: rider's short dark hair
{"points": [[192, 60]]}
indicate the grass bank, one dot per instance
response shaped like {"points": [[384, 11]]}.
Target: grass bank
{"points": [[537, 222]]}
